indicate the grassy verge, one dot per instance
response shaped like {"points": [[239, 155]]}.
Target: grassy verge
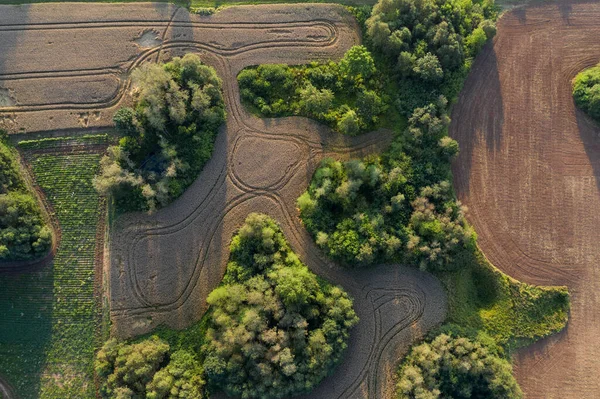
{"points": [[515, 314], [48, 317]]}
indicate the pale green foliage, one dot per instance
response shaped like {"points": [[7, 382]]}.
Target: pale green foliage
{"points": [[456, 367], [315, 102], [276, 330], [357, 64], [182, 378], [586, 91]]}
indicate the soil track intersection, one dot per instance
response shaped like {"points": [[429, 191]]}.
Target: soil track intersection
{"points": [[164, 265], [528, 171]]}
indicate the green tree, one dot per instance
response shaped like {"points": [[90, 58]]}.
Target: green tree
{"points": [[586, 91], [182, 378], [456, 367], [357, 64], [275, 329]]}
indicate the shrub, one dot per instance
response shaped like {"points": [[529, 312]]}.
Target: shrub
{"points": [[586, 91], [456, 367], [276, 329], [168, 135]]}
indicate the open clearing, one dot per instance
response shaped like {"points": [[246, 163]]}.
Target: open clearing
{"points": [[63, 73], [528, 170]]}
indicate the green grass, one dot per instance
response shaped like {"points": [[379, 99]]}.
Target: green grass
{"points": [[515, 314], [49, 323]]}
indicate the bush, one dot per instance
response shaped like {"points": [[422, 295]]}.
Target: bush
{"points": [[167, 137], [586, 91], [456, 367], [276, 329], [24, 234]]}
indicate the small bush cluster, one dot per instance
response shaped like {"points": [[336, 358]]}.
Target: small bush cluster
{"points": [[148, 370], [345, 95], [276, 329], [24, 234], [167, 137], [586, 91], [456, 367]]}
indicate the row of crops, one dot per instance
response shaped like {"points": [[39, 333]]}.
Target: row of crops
{"points": [[49, 321]]}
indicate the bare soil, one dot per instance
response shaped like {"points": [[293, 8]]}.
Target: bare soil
{"points": [[163, 266], [528, 171]]}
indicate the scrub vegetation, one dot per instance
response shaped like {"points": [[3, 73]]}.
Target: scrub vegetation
{"points": [[586, 91]]}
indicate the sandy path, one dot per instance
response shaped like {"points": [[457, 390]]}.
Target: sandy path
{"points": [[528, 171], [164, 265]]}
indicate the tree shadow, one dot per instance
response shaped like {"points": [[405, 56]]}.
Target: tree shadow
{"points": [[477, 116]]}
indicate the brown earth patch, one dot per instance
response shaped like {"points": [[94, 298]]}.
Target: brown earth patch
{"points": [[528, 170]]}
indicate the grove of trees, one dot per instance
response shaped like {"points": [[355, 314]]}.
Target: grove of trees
{"points": [[24, 233], [168, 135], [345, 95], [586, 91], [148, 369], [456, 367], [276, 329]]}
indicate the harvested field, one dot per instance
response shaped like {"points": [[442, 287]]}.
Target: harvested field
{"points": [[164, 265], [528, 170]]}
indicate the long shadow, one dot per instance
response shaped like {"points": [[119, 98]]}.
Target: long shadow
{"points": [[26, 298], [477, 116]]}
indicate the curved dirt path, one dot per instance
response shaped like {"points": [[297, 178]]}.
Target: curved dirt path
{"points": [[5, 390], [528, 171], [164, 265]]}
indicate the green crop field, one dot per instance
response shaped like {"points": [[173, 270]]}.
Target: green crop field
{"points": [[50, 323]]}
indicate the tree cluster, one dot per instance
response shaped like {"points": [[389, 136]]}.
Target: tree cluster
{"points": [[395, 207], [429, 39], [276, 329], [168, 135], [23, 231], [148, 370], [345, 95], [456, 367], [586, 91]]}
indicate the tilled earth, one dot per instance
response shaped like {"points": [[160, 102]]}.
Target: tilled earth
{"points": [[65, 66], [528, 170]]}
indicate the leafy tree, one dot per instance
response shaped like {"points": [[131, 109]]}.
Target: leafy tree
{"points": [[276, 330], [344, 95], [586, 91], [429, 39], [168, 135], [456, 367], [24, 234], [147, 369]]}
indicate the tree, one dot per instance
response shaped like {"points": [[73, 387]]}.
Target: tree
{"points": [[357, 64], [167, 137], [456, 367], [315, 102], [275, 330], [586, 91], [349, 123], [428, 68], [182, 378]]}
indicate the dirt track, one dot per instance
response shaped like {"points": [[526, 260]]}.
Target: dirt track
{"points": [[164, 265], [528, 171]]}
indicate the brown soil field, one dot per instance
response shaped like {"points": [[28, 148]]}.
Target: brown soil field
{"points": [[528, 170], [64, 66]]}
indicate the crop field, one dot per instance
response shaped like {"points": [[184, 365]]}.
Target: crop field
{"points": [[528, 170], [50, 323]]}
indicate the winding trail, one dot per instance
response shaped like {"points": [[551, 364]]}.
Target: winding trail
{"points": [[528, 171], [163, 266]]}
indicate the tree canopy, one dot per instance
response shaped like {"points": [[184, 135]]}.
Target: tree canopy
{"points": [[148, 369], [276, 329], [167, 137], [345, 94], [24, 233], [456, 367], [586, 91]]}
